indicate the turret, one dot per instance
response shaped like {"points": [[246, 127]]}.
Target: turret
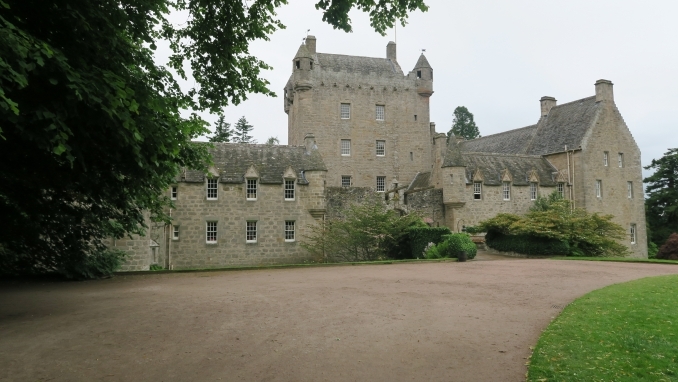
{"points": [[423, 73], [302, 65]]}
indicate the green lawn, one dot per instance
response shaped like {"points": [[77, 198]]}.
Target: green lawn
{"points": [[617, 259], [624, 332]]}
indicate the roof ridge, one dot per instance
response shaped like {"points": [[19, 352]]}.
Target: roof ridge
{"points": [[577, 100], [502, 154]]}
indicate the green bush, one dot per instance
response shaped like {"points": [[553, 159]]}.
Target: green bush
{"points": [[451, 245], [96, 265], [527, 245], [421, 236]]}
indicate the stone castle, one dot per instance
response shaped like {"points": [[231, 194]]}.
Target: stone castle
{"points": [[359, 129]]}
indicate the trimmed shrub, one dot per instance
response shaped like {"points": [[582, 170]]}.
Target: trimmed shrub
{"points": [[669, 251], [421, 236], [451, 245], [527, 245]]}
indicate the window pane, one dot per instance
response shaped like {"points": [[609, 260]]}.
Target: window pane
{"points": [[381, 148], [629, 189], [174, 193], [533, 191], [251, 231], [345, 147], [599, 188], [507, 190], [345, 111], [633, 234], [289, 230], [620, 159], [561, 189], [477, 190], [380, 112], [251, 188], [211, 232], [381, 183], [345, 181], [289, 189], [211, 188], [175, 234], [605, 158]]}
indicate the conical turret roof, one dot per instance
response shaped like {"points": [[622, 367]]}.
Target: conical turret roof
{"points": [[422, 62], [303, 52]]}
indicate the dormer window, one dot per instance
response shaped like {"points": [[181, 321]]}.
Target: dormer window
{"points": [[477, 190], [289, 189], [506, 191], [533, 191], [212, 189], [251, 189]]}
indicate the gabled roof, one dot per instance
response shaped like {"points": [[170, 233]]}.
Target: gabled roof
{"points": [[520, 167], [507, 142], [232, 160], [421, 180], [365, 65], [422, 62], [303, 52], [565, 125]]}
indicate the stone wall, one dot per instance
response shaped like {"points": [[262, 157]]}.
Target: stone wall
{"points": [[428, 203], [339, 199]]}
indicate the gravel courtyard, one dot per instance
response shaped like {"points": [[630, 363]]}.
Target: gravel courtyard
{"points": [[471, 321]]}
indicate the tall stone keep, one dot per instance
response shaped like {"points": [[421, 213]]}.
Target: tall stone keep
{"points": [[371, 121]]}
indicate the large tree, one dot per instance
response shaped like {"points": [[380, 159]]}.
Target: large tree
{"points": [[242, 130], [661, 204], [91, 130], [222, 131], [463, 124]]}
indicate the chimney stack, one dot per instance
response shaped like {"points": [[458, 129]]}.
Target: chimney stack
{"points": [[391, 50], [309, 142], [546, 104], [310, 44], [604, 91]]}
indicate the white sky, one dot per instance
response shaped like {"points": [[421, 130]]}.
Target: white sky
{"points": [[498, 58]]}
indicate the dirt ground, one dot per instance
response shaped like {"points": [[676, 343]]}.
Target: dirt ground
{"points": [[472, 321]]}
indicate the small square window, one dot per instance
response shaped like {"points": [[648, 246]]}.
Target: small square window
{"points": [[345, 111], [346, 181], [251, 235], [477, 190], [381, 183], [506, 190], [346, 147], [599, 188], [629, 190], [620, 159], [561, 189], [211, 189], [533, 191], [606, 158], [381, 148], [633, 234], [211, 232], [289, 189], [380, 112], [251, 189], [289, 230], [175, 232], [174, 193]]}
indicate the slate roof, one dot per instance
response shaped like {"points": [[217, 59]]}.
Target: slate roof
{"points": [[421, 180], [422, 62], [507, 142], [520, 167], [365, 65], [271, 161], [566, 124]]}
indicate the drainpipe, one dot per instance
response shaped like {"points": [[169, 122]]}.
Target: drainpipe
{"points": [[169, 243], [567, 155]]}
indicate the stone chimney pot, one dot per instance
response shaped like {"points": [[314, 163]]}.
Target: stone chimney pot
{"points": [[546, 104], [391, 50], [604, 91], [310, 44]]}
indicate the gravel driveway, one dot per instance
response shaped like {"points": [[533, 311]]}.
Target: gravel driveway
{"points": [[471, 321]]}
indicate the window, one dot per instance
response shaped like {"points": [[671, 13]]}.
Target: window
{"points": [[346, 181], [418, 73], [381, 148], [345, 111], [251, 235], [380, 112], [477, 190], [175, 232], [506, 190], [346, 147], [381, 183], [629, 190], [620, 159], [251, 189], [599, 188], [533, 191], [289, 189], [415, 118], [606, 158], [451, 178], [174, 193], [411, 156], [211, 232], [633, 234], [561, 189], [211, 189], [289, 230], [298, 64]]}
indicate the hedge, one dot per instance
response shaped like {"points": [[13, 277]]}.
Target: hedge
{"points": [[421, 236], [527, 245], [451, 246]]}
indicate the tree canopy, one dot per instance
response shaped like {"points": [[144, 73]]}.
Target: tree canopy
{"points": [[91, 127], [242, 130], [463, 125], [661, 204], [222, 131]]}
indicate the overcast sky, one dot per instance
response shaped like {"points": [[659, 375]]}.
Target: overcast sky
{"points": [[498, 58]]}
